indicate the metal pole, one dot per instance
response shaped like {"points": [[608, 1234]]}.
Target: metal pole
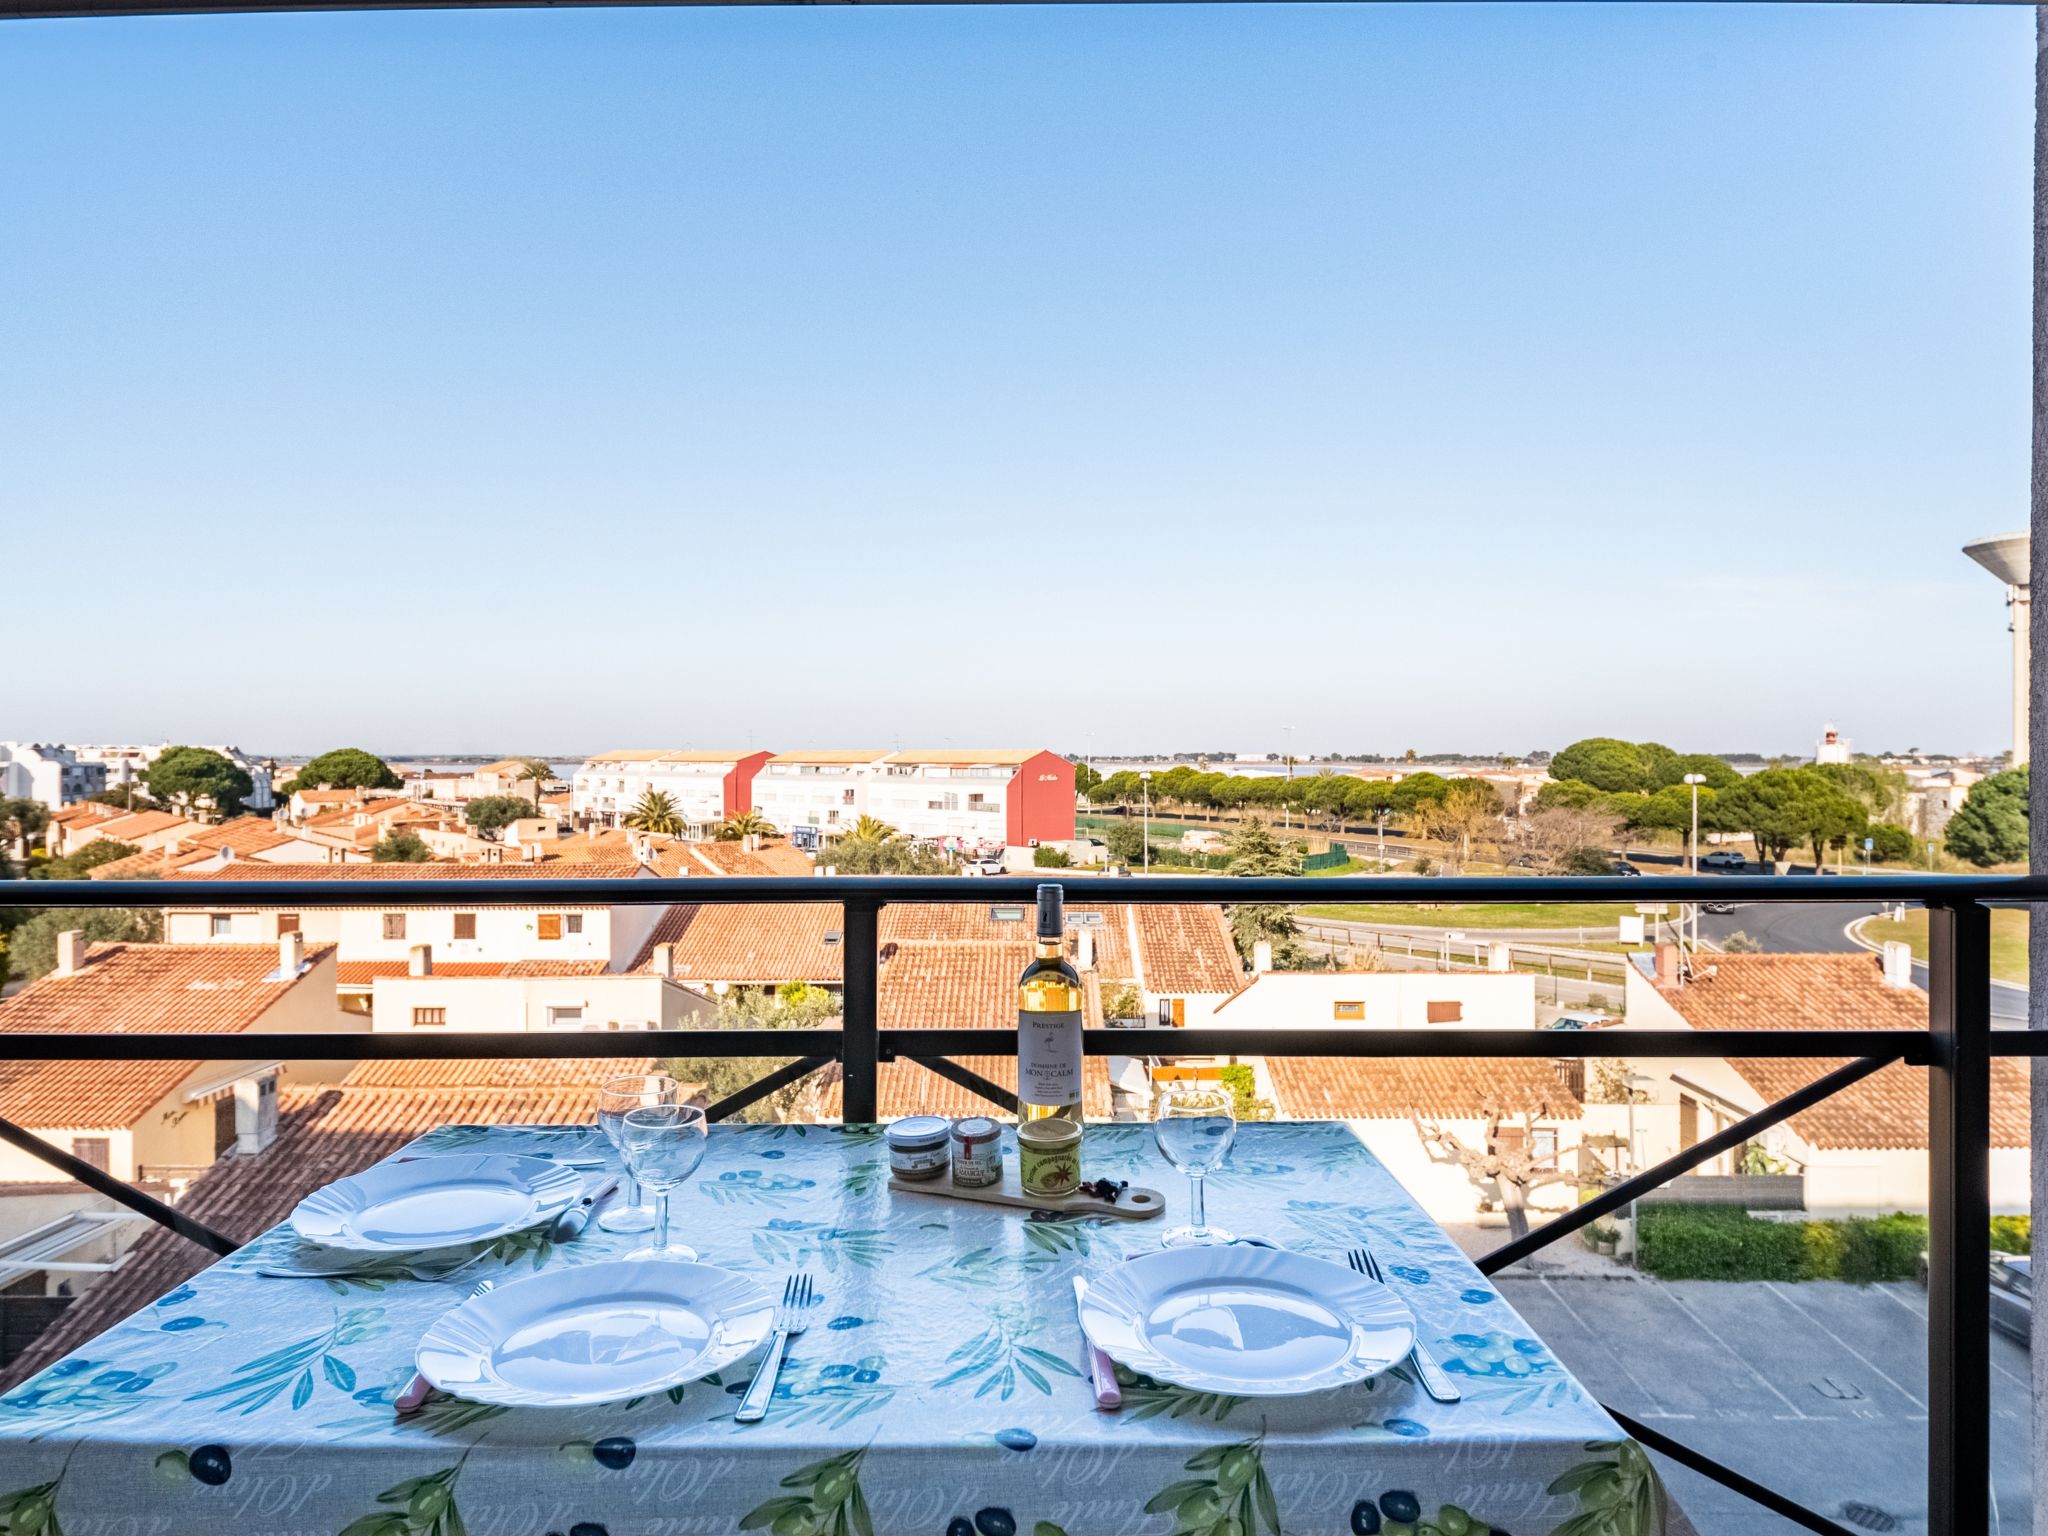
{"points": [[861, 1011], [1959, 1215]]}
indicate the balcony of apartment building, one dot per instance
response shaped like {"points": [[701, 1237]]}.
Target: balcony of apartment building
{"points": [[1813, 1095]]}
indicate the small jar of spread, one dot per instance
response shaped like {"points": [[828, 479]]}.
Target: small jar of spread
{"points": [[977, 1152], [917, 1146], [1049, 1156]]}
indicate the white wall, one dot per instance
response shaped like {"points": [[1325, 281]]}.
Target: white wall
{"points": [[502, 933], [931, 800], [1392, 999], [834, 797], [608, 790], [524, 1002]]}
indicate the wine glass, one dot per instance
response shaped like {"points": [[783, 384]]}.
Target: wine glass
{"points": [[1195, 1123], [663, 1144], [616, 1097]]}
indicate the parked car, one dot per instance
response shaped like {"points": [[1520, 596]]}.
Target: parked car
{"points": [[1623, 867], [1723, 858], [1718, 907], [2012, 1295], [1581, 1018], [984, 867]]}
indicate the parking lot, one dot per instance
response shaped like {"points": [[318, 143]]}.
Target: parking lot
{"points": [[1815, 1389]]}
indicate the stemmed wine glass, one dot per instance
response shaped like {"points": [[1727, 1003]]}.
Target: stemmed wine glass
{"points": [[1195, 1123], [663, 1144], [616, 1098]]}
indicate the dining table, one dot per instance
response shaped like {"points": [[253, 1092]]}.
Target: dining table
{"points": [[941, 1389]]}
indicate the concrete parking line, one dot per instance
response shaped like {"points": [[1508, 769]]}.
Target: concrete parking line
{"points": [[1732, 1353], [1874, 1367], [1656, 1408]]}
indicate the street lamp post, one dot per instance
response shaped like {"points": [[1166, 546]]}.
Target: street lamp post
{"points": [[1695, 780], [1145, 814], [1381, 817]]}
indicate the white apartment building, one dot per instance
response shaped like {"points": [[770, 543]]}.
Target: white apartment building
{"points": [[826, 790], [45, 772], [1005, 797], [707, 787], [128, 765]]}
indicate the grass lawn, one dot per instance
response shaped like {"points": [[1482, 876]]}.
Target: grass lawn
{"points": [[1528, 914], [2008, 940]]}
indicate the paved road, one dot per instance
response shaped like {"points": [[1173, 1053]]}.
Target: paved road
{"points": [[1818, 1390]]}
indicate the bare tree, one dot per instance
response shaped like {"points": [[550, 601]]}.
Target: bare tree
{"points": [[1508, 1162], [1567, 840], [1460, 824]]}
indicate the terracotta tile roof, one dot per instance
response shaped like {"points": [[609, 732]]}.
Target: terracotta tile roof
{"points": [[1188, 949], [767, 944], [546, 869], [361, 973], [133, 989], [162, 861], [502, 767], [396, 807], [86, 812], [773, 857], [905, 1088], [663, 755], [325, 1133], [140, 824], [578, 1073], [997, 757], [1365, 1088], [830, 757], [1888, 1109], [244, 834]]}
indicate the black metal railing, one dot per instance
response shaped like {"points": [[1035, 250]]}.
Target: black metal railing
{"points": [[1956, 1048]]}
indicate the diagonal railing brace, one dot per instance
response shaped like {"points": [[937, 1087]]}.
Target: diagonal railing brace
{"points": [[104, 1183], [1638, 1185]]}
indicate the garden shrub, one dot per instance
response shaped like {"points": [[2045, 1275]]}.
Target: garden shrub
{"points": [[1718, 1242], [2012, 1234]]}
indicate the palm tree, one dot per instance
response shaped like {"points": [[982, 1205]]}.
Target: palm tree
{"points": [[656, 812], [537, 773], [744, 824], [871, 829]]}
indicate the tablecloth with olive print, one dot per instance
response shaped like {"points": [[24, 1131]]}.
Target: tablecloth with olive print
{"points": [[937, 1393]]}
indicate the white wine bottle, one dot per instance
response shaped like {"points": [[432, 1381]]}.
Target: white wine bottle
{"points": [[1049, 1020]]}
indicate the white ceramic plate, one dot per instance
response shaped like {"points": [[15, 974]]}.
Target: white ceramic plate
{"points": [[436, 1202], [1252, 1322], [596, 1333]]}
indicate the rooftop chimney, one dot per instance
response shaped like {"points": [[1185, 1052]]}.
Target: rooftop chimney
{"points": [[1262, 956], [291, 954], [1667, 967], [419, 960], [665, 961], [530, 852], [1084, 950], [255, 1114], [70, 952], [1898, 964]]}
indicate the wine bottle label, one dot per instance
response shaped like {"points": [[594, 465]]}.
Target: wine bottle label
{"points": [[1049, 1057]]}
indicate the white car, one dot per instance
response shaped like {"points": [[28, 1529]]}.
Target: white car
{"points": [[1724, 858]]}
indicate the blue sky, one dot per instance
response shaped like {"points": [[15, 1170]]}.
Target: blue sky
{"points": [[1450, 377]]}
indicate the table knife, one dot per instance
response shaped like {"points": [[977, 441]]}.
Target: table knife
{"points": [[571, 1222], [1101, 1372]]}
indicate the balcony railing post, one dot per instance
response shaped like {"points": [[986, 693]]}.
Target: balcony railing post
{"points": [[860, 1005], [1959, 1215]]}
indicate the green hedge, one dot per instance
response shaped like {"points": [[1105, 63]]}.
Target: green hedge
{"points": [[1706, 1242]]}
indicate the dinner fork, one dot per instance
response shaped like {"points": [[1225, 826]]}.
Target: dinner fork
{"points": [[791, 1318], [414, 1397], [1427, 1371]]}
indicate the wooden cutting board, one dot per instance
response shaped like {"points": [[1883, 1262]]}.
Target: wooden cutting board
{"points": [[1134, 1204]]}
